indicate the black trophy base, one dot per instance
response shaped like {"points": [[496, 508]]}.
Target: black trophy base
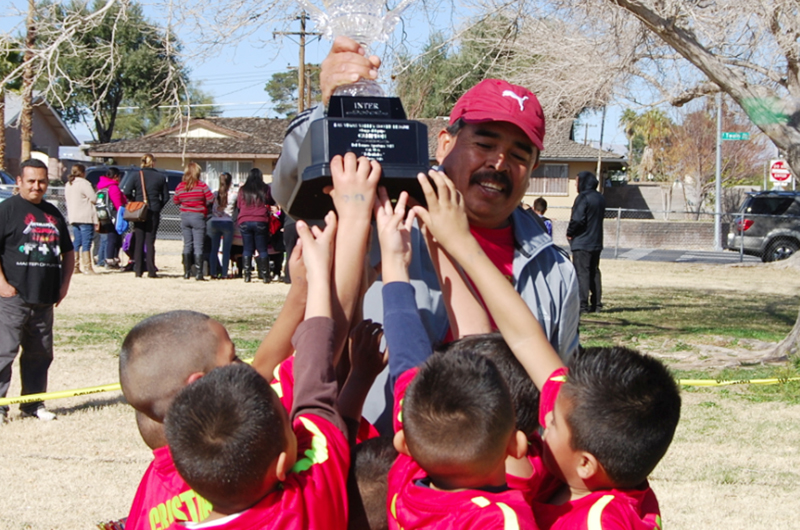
{"points": [[371, 127]]}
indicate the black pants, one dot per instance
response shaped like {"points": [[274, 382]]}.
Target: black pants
{"points": [[145, 236], [587, 267]]}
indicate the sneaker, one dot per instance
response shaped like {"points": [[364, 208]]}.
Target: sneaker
{"points": [[40, 413]]}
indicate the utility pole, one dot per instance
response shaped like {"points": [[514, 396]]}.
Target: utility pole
{"points": [[26, 116], [301, 69], [718, 180]]}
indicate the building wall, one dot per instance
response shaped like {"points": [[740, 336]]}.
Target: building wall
{"points": [[678, 235], [564, 201], [266, 166], [45, 140]]}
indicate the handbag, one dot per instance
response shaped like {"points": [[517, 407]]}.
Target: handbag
{"points": [[136, 211]]}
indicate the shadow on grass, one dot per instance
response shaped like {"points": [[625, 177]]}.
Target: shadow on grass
{"points": [[92, 404]]}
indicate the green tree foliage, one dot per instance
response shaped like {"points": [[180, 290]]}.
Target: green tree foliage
{"points": [[430, 84], [124, 60], [282, 90]]}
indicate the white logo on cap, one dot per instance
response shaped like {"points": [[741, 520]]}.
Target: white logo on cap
{"points": [[521, 101]]}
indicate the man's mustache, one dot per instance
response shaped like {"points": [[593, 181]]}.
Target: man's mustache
{"points": [[500, 178]]}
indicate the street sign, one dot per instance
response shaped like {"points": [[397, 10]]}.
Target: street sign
{"points": [[736, 136], [779, 172]]}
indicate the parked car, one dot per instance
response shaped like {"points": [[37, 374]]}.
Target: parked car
{"points": [[767, 225], [94, 173], [7, 183]]}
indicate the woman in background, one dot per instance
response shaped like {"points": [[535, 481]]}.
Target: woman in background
{"points": [[193, 197], [253, 202], [113, 239], [82, 215], [220, 225], [144, 233]]}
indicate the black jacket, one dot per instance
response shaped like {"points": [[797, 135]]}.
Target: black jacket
{"points": [[157, 189], [586, 224]]}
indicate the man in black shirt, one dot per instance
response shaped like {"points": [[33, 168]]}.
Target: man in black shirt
{"points": [[585, 235], [36, 263]]}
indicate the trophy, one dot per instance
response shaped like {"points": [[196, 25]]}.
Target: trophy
{"points": [[360, 118]]}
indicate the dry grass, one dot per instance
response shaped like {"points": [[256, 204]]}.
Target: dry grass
{"points": [[733, 462]]}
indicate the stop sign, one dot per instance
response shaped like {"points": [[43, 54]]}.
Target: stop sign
{"points": [[779, 171]]}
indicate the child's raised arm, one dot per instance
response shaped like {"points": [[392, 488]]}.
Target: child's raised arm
{"points": [[446, 219], [277, 345], [405, 334], [354, 184]]}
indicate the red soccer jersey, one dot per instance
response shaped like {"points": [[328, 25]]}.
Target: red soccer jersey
{"points": [[412, 504], [163, 497], [283, 385], [629, 509], [314, 494]]}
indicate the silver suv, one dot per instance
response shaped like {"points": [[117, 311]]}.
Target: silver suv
{"points": [[767, 225]]}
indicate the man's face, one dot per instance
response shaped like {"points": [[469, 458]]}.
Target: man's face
{"points": [[33, 184], [490, 163]]}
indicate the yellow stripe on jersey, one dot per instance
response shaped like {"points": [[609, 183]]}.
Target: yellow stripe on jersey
{"points": [[483, 502], [510, 521], [559, 379], [594, 521], [317, 453]]}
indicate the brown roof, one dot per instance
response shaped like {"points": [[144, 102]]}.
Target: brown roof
{"points": [[263, 137], [247, 137]]}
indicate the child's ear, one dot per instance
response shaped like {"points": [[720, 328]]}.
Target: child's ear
{"points": [[589, 469], [517, 445], [194, 376], [282, 466], [400, 443]]}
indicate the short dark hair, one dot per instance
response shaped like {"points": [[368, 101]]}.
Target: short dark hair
{"points": [[457, 411], [224, 431], [368, 483], [524, 393], [456, 126], [540, 205], [623, 409], [32, 162], [159, 353]]}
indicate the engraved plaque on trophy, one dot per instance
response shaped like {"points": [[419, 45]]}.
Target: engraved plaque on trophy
{"points": [[360, 118]]}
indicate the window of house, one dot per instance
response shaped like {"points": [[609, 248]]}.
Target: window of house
{"points": [[213, 168], [550, 179]]}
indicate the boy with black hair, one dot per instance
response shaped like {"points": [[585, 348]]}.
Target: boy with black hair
{"points": [[456, 426], [159, 357], [609, 419], [367, 485], [259, 468]]}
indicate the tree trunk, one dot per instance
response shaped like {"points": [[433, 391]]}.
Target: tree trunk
{"points": [[2, 128], [26, 117]]}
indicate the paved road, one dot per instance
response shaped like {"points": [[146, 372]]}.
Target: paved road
{"points": [[677, 256]]}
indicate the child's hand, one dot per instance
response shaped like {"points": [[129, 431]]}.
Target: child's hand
{"points": [[317, 248], [394, 235], [366, 358], [445, 218], [354, 185], [297, 267]]}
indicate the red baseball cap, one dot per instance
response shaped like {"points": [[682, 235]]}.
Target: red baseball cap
{"points": [[498, 100]]}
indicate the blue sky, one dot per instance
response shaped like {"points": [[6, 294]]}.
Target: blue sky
{"points": [[236, 76]]}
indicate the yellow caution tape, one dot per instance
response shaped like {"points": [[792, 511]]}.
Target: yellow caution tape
{"points": [[58, 395], [721, 382], [45, 396], [116, 386]]}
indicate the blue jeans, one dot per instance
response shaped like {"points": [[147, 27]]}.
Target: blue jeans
{"points": [[82, 235], [255, 234], [101, 250], [193, 227], [220, 229]]}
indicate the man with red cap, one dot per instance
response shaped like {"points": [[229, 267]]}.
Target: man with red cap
{"points": [[491, 146]]}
